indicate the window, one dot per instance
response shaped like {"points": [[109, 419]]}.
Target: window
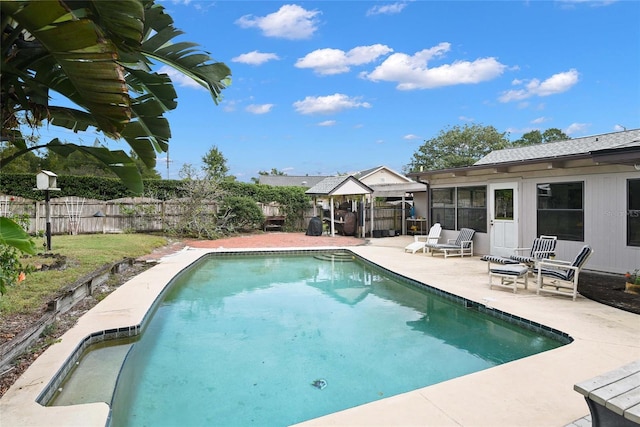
{"points": [[443, 209], [633, 212], [560, 210], [472, 208], [503, 199], [455, 208]]}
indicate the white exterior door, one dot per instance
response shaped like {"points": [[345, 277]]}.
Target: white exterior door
{"points": [[503, 225]]}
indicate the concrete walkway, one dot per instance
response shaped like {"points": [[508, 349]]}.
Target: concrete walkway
{"points": [[535, 391]]}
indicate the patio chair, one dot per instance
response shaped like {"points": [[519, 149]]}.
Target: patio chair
{"points": [[543, 247], [420, 241], [559, 277], [461, 246]]}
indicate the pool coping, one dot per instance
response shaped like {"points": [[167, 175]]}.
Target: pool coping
{"points": [[536, 390]]}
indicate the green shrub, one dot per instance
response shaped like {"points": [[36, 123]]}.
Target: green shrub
{"points": [[242, 212]]}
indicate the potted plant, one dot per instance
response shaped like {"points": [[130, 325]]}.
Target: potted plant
{"points": [[633, 282]]}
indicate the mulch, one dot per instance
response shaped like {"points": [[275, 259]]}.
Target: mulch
{"points": [[608, 289]]}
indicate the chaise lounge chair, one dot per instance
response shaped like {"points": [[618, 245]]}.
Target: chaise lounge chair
{"points": [[461, 246], [420, 242], [561, 277]]}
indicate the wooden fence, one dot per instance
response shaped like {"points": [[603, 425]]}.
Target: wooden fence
{"points": [[77, 215]]}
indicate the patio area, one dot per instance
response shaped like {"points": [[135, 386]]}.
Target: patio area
{"points": [[535, 391]]}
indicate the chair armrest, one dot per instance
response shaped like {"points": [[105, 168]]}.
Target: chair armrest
{"points": [[559, 267], [556, 261], [451, 241], [521, 249], [552, 263]]}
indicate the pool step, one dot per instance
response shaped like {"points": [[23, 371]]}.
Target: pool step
{"points": [[336, 256]]}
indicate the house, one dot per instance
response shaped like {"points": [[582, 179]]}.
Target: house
{"points": [[583, 190], [384, 182], [397, 188]]}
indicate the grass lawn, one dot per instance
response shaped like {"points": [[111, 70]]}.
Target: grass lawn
{"points": [[85, 253]]}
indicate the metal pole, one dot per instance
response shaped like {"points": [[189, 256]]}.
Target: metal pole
{"points": [[48, 219]]}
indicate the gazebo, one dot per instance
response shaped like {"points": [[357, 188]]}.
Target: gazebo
{"points": [[339, 186], [397, 190]]}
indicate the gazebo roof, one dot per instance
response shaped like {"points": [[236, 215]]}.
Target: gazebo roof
{"points": [[345, 185]]}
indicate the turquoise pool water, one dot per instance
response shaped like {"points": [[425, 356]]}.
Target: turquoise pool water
{"points": [[275, 340]]}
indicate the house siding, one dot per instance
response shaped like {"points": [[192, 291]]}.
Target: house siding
{"points": [[604, 204]]}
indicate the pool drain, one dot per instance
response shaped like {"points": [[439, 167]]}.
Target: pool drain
{"points": [[319, 383]]}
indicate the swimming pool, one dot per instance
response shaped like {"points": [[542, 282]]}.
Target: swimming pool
{"points": [[292, 337]]}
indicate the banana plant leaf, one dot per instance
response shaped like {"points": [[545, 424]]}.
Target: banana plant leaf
{"points": [[12, 234]]}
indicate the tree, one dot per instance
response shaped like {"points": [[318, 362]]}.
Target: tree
{"points": [[98, 55], [274, 172], [215, 164], [23, 164], [457, 147], [553, 135], [536, 137], [145, 171]]}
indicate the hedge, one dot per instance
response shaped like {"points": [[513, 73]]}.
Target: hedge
{"points": [[293, 199]]}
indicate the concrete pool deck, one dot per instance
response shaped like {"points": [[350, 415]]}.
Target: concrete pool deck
{"points": [[534, 391]]}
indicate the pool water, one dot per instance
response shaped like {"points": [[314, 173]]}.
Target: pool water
{"points": [[276, 340]]}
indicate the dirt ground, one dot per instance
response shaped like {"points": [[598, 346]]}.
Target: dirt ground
{"points": [[606, 289]]}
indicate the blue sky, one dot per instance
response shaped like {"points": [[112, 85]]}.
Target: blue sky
{"points": [[330, 87]]}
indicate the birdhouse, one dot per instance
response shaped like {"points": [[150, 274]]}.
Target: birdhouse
{"points": [[46, 180]]}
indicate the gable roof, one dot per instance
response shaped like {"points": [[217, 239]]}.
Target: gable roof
{"points": [[362, 175], [339, 185], [290, 181], [570, 147]]}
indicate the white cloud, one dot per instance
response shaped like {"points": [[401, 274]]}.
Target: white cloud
{"points": [[619, 128], [388, 9], [539, 120], [259, 108], [335, 61], [178, 78], [466, 119], [255, 58], [558, 83], [289, 22], [413, 72], [410, 137], [330, 104], [576, 128], [229, 106], [327, 123], [570, 4]]}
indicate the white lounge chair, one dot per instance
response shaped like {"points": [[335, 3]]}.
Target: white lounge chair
{"points": [[420, 242], [561, 277], [461, 246]]}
